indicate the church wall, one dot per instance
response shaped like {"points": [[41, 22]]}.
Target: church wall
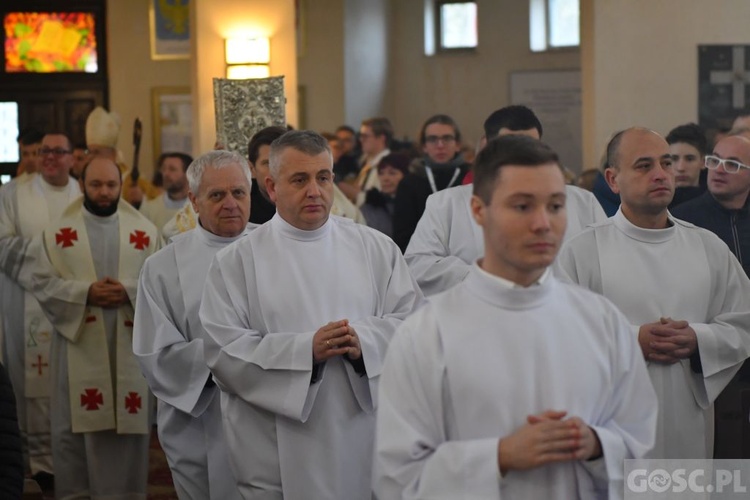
{"points": [[366, 66], [640, 61], [132, 75], [321, 64], [467, 86], [216, 20]]}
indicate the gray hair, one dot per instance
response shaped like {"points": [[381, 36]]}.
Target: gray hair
{"points": [[305, 141], [215, 159]]}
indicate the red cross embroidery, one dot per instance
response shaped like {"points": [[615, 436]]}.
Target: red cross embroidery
{"points": [[39, 365], [133, 402], [139, 239], [66, 236], [90, 319], [91, 399], [128, 323]]}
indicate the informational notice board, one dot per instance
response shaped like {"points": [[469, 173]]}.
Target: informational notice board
{"points": [[555, 97]]}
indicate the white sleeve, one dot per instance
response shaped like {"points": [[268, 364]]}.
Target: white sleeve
{"points": [[268, 370], [428, 254], [173, 366], [413, 458]]}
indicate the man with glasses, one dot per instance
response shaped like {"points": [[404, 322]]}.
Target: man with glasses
{"points": [[723, 210], [680, 287], [441, 167], [26, 208]]}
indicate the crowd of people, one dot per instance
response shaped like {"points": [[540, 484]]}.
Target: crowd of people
{"points": [[496, 332]]}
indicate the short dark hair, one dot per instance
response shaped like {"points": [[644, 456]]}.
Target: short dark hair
{"points": [[346, 128], [692, 134], [516, 117], [263, 137], [508, 150], [308, 142], [29, 136], [380, 126], [186, 159], [442, 119], [613, 149], [55, 132]]}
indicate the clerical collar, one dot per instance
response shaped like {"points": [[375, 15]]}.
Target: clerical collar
{"points": [[214, 240], [301, 234], [508, 284], [46, 185], [642, 234], [504, 293]]}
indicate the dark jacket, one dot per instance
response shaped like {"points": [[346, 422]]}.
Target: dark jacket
{"points": [[261, 210], [411, 197], [11, 461], [732, 226]]}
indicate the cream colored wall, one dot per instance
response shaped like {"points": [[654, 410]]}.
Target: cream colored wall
{"points": [[321, 65], [467, 86], [132, 75], [640, 61], [215, 20]]}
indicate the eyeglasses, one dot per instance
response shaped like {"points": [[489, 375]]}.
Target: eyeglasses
{"points": [[730, 166], [54, 152], [434, 139]]}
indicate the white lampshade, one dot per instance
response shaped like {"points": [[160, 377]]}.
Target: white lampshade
{"points": [[247, 51]]}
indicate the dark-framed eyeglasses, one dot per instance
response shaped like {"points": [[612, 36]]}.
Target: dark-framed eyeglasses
{"points": [[445, 139], [54, 151]]}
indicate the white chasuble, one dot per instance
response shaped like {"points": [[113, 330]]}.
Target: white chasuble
{"points": [[447, 241], [684, 273], [98, 401], [34, 215], [296, 431], [468, 369]]}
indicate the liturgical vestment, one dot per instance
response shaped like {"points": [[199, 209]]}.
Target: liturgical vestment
{"points": [[298, 430]]}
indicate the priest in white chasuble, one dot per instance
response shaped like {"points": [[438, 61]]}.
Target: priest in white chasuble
{"points": [[512, 384], [298, 316], [684, 293], [168, 336], [85, 278], [26, 208]]}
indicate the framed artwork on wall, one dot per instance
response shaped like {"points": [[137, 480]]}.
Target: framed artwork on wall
{"points": [[172, 116], [169, 22]]}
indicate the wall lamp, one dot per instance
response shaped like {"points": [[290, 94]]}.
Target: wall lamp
{"points": [[247, 58]]}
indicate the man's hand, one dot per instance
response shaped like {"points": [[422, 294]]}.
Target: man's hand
{"points": [[355, 348], [544, 439], [107, 293], [547, 438], [333, 339], [669, 341]]}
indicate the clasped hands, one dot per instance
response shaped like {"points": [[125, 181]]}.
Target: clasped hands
{"points": [[107, 293], [547, 438], [667, 341], [337, 338]]}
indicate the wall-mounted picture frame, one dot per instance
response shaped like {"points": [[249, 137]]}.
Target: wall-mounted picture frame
{"points": [[172, 116], [169, 28]]}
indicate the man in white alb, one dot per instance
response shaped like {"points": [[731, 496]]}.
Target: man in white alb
{"points": [[26, 208], [85, 279], [173, 168], [446, 241], [168, 336], [684, 293], [298, 316], [513, 384]]}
